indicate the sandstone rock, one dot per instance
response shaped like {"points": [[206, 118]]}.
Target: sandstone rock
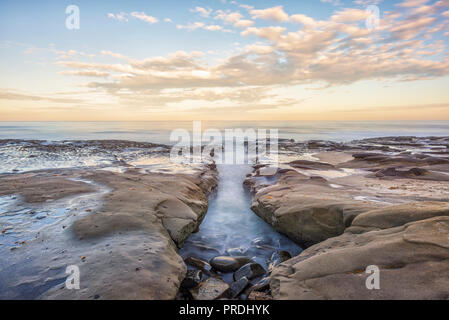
{"points": [[395, 216], [311, 165], [211, 289], [267, 172], [303, 216], [129, 240], [250, 271], [412, 255], [413, 173], [259, 296], [228, 264]]}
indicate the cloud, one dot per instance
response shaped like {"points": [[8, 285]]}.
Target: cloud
{"points": [[86, 73], [202, 11], [113, 54], [333, 2], [14, 95], [289, 50], [274, 13], [201, 25], [233, 18], [350, 15], [123, 17], [142, 16]]}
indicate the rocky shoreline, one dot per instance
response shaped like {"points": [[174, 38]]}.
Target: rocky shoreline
{"points": [[125, 246], [387, 205], [380, 202]]}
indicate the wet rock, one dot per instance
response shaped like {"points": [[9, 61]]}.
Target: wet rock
{"points": [[249, 271], [211, 289], [311, 165], [228, 264], [284, 255], [198, 263], [258, 166], [237, 287], [259, 296], [414, 173], [192, 279], [267, 172], [184, 294], [262, 285]]}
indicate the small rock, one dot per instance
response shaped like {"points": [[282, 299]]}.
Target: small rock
{"points": [[256, 295], [237, 287], [277, 258], [228, 264], [192, 279], [284, 255], [262, 285], [211, 289], [250, 271], [200, 264]]}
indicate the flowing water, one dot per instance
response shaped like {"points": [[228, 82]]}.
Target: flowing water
{"points": [[230, 227]]}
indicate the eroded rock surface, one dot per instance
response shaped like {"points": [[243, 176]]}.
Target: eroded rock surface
{"points": [[125, 248], [307, 210], [411, 250], [378, 202]]}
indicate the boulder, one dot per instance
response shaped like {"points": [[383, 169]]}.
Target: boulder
{"points": [[398, 215], [192, 279], [250, 271], [229, 264], [303, 216], [408, 243], [237, 287], [198, 263], [262, 285]]}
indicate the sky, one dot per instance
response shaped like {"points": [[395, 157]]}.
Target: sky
{"points": [[224, 60]]}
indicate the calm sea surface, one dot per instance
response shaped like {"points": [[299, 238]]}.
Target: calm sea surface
{"points": [[159, 132]]}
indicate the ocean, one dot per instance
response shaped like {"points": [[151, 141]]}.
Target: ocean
{"points": [[159, 132]]}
